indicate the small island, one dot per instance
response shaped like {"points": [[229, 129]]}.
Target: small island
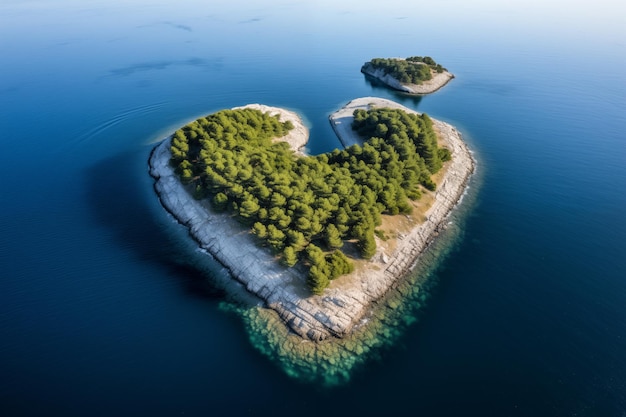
{"points": [[413, 75], [317, 238]]}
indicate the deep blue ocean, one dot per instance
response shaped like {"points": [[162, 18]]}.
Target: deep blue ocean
{"points": [[101, 314]]}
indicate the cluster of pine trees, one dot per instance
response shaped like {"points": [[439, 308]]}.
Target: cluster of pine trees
{"points": [[413, 70], [428, 61], [305, 208]]}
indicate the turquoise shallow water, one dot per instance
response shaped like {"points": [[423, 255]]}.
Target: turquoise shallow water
{"points": [[100, 311]]}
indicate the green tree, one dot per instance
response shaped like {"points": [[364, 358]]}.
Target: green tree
{"points": [[444, 154], [260, 230], [315, 255], [317, 280], [339, 264], [367, 246], [275, 237], [333, 237], [290, 258], [249, 207], [220, 202], [296, 240]]}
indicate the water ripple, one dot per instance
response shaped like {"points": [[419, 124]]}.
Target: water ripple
{"points": [[131, 113]]}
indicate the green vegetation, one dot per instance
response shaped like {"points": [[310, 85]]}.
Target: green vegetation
{"points": [[305, 208], [380, 234], [413, 70]]}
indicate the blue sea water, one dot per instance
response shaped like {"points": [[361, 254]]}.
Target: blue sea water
{"points": [[102, 314]]}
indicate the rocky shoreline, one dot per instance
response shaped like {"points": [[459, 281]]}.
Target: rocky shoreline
{"points": [[347, 300], [427, 87]]}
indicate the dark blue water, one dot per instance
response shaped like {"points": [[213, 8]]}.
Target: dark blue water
{"points": [[100, 310]]}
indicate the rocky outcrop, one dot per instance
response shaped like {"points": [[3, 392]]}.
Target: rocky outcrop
{"points": [[427, 87], [283, 289]]}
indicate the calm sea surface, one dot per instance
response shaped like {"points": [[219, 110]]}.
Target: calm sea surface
{"points": [[101, 313]]}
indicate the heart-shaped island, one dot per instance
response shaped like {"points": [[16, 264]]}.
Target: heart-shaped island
{"points": [[317, 238]]}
